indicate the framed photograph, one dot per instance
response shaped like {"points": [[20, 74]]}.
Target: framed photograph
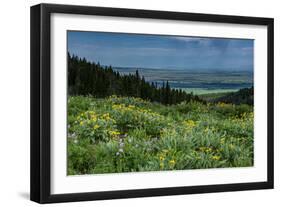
{"points": [[133, 103]]}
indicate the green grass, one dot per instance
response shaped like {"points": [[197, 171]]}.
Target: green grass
{"points": [[209, 97], [203, 91], [122, 134]]}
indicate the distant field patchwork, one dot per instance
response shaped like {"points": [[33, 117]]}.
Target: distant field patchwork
{"points": [[198, 82]]}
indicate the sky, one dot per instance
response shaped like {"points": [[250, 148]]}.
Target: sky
{"points": [[165, 52]]}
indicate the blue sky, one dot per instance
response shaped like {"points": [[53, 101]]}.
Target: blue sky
{"points": [[156, 51]]}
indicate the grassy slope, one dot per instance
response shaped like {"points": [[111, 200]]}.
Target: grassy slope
{"points": [[243, 96], [129, 134], [203, 92], [212, 96]]}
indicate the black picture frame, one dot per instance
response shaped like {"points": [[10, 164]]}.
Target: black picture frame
{"points": [[41, 96]]}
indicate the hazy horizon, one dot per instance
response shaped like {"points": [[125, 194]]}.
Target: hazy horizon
{"points": [[122, 50]]}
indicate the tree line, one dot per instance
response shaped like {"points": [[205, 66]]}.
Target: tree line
{"points": [[243, 96], [90, 78]]}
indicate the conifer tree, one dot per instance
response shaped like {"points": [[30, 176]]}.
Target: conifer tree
{"points": [[89, 78]]}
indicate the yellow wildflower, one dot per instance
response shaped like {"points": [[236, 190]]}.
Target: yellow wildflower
{"points": [[94, 118], [202, 149], [114, 133], [131, 106], [205, 149], [106, 116], [190, 123], [172, 163], [96, 126], [115, 106], [161, 158], [215, 157], [208, 149], [222, 104]]}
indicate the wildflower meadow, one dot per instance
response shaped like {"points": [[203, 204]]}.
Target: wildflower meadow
{"points": [[126, 134]]}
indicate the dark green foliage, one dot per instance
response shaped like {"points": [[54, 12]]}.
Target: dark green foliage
{"points": [[243, 96], [86, 78]]}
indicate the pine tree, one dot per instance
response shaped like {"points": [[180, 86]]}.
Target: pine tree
{"points": [[89, 78]]}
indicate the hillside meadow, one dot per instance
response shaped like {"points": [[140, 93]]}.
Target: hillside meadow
{"points": [[126, 134]]}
